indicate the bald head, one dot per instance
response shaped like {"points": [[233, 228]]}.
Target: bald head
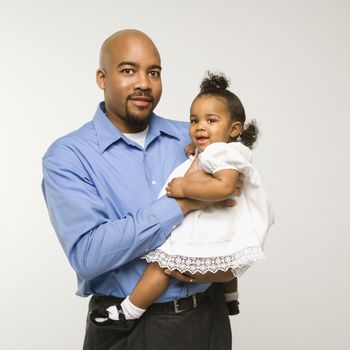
{"points": [[121, 39]]}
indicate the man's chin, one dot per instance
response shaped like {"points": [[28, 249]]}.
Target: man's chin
{"points": [[138, 119]]}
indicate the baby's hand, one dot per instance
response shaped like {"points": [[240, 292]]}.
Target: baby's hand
{"points": [[175, 188], [190, 149]]}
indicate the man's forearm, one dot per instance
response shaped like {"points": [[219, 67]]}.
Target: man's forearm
{"points": [[93, 241]]}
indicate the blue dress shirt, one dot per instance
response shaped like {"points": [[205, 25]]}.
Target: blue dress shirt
{"points": [[101, 190]]}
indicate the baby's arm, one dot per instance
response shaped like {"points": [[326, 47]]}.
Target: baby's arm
{"points": [[205, 187]]}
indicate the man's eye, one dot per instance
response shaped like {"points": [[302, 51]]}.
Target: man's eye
{"points": [[154, 74], [127, 71]]}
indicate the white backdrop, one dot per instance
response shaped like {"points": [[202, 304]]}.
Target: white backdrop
{"points": [[289, 63]]}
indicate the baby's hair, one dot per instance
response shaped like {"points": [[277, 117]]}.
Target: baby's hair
{"points": [[216, 85]]}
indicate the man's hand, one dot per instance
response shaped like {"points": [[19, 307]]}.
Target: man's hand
{"points": [[239, 185], [208, 277], [175, 188]]}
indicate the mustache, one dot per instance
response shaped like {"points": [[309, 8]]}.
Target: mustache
{"points": [[141, 94]]}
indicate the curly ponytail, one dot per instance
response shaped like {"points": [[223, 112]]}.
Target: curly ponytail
{"points": [[213, 82], [249, 134], [216, 85]]}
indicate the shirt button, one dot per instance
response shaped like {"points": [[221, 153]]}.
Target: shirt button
{"points": [[174, 227], [154, 182], [147, 250]]}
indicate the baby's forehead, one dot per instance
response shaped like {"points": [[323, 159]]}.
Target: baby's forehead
{"points": [[210, 99], [209, 102]]}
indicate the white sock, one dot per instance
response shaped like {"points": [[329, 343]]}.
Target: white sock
{"points": [[231, 296], [131, 311]]}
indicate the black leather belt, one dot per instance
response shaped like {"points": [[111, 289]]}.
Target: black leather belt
{"points": [[179, 305], [175, 306]]}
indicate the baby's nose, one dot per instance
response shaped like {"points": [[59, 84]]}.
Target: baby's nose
{"points": [[200, 126]]}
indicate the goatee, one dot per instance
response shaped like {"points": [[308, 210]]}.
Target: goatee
{"points": [[138, 120], [134, 119]]}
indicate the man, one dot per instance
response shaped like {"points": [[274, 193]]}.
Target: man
{"points": [[101, 185]]}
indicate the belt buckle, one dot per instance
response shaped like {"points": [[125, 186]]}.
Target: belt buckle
{"points": [[194, 299], [177, 306]]}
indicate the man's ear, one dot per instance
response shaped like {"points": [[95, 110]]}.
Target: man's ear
{"points": [[236, 129], [100, 78]]}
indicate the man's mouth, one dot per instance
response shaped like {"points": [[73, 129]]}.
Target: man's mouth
{"points": [[142, 101]]}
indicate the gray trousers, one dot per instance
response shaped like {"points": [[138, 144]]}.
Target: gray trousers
{"points": [[206, 327]]}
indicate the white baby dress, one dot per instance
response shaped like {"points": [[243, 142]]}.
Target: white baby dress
{"points": [[219, 239]]}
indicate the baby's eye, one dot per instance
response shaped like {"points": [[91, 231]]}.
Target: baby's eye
{"points": [[211, 121], [193, 121]]}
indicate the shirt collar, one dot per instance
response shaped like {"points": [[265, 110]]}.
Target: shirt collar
{"points": [[107, 133]]}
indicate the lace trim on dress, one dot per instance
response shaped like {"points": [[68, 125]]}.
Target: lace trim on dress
{"points": [[236, 262]]}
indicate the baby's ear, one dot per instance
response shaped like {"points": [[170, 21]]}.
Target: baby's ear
{"points": [[236, 129]]}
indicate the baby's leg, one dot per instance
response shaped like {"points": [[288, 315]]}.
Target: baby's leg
{"points": [[231, 296], [230, 286], [152, 284]]}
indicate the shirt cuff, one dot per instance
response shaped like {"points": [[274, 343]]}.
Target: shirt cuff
{"points": [[168, 213]]}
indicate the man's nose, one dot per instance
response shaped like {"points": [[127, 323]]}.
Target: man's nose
{"points": [[142, 81]]}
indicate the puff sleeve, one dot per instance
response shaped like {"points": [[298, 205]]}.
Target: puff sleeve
{"points": [[224, 156]]}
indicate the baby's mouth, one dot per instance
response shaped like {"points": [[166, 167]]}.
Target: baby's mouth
{"points": [[201, 140]]}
